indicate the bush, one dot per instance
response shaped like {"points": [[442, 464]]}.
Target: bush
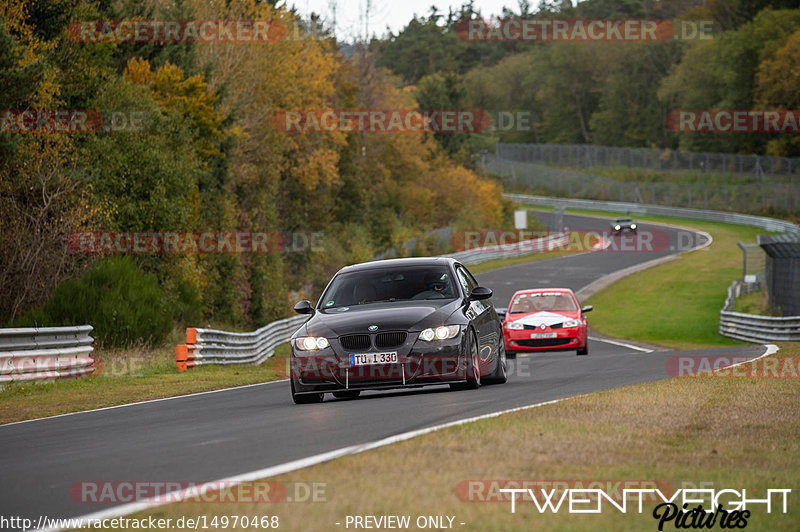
{"points": [[122, 303]]}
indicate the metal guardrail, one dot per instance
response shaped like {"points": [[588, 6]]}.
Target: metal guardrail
{"points": [[752, 327], [209, 346], [762, 222], [45, 353]]}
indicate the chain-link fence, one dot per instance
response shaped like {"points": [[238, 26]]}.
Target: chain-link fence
{"points": [[764, 197], [588, 156], [754, 262]]}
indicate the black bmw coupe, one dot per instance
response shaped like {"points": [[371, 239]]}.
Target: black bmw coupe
{"points": [[398, 323]]}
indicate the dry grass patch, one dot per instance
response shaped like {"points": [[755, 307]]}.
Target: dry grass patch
{"points": [[731, 432]]}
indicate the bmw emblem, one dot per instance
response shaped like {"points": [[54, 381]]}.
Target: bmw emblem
{"points": [[372, 328]]}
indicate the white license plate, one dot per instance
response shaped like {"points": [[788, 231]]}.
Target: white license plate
{"points": [[544, 335], [369, 359]]}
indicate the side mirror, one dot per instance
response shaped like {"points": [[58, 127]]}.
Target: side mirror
{"points": [[587, 308], [304, 307], [479, 293]]}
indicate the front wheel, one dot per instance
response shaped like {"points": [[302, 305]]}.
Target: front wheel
{"points": [[473, 368], [584, 351], [498, 376]]}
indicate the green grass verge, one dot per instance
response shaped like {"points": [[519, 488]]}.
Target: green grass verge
{"points": [[754, 303], [675, 304], [128, 376], [723, 432]]}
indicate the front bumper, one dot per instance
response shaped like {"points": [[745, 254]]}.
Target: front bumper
{"points": [[419, 363], [569, 339]]}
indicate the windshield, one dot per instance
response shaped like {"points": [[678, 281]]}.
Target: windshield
{"points": [[384, 284], [543, 301]]}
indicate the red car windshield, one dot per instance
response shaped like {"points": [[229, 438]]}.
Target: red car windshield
{"points": [[543, 302]]}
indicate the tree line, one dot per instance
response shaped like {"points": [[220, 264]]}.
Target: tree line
{"points": [[609, 93], [205, 155]]}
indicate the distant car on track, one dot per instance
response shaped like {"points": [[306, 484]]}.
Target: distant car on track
{"points": [[621, 225], [545, 319], [394, 324]]}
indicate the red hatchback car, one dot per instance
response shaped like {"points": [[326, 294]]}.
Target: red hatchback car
{"points": [[545, 319]]}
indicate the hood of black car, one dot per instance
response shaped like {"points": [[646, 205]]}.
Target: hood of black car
{"points": [[390, 316]]}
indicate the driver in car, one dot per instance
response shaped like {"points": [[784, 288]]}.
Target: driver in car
{"points": [[436, 286]]}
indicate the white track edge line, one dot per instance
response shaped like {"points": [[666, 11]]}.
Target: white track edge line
{"points": [[621, 344], [771, 350], [280, 469]]}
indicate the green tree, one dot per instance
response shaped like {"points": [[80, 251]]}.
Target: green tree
{"points": [[721, 74], [777, 85], [445, 92], [629, 112]]}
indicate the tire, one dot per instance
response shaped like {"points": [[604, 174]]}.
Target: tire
{"points": [[347, 394], [305, 398], [473, 367], [498, 376], [511, 354], [584, 351]]}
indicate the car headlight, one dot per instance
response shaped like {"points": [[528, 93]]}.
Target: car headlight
{"points": [[571, 323], [444, 332], [310, 343], [633, 226], [617, 227], [514, 325]]}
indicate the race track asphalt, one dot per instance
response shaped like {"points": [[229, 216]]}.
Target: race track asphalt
{"points": [[217, 435]]}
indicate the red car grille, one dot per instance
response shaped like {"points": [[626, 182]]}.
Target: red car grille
{"points": [[544, 342]]}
